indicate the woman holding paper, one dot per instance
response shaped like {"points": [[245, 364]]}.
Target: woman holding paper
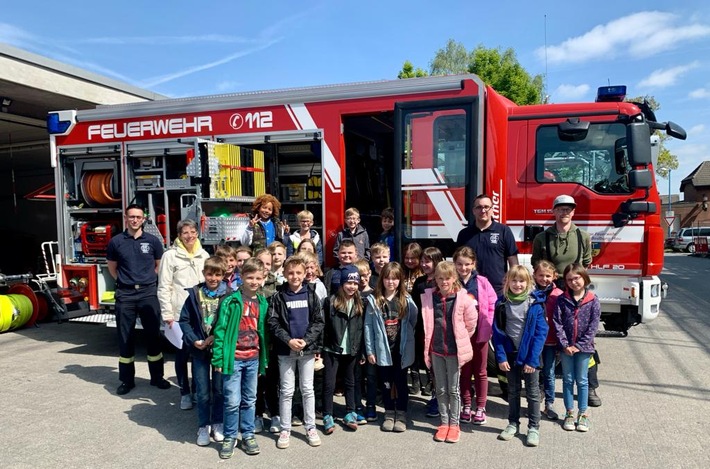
{"points": [[180, 268]]}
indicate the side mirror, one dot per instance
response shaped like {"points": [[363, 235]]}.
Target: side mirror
{"points": [[638, 137], [640, 179]]}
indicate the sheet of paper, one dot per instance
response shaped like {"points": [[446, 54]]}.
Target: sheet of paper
{"points": [[174, 334]]}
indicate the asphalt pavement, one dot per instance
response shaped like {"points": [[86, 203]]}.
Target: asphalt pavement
{"points": [[58, 406]]}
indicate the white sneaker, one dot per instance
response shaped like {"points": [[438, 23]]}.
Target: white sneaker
{"points": [[284, 439], [275, 424], [218, 432], [203, 436], [313, 438], [186, 402]]}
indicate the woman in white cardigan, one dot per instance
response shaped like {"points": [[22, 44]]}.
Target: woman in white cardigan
{"points": [[180, 268]]}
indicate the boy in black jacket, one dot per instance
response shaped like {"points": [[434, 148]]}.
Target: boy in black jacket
{"points": [[296, 322]]}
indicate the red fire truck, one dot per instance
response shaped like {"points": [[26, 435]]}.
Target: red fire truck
{"points": [[425, 147]]}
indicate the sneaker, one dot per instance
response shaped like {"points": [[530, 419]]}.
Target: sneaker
{"points": [[250, 446], [479, 418], [371, 414], [568, 423], [441, 433], [432, 408], [533, 438], [275, 424], [218, 432], [594, 400], [186, 402], [284, 439], [454, 434], [361, 420], [509, 432], [258, 425], [227, 449], [313, 438], [328, 424], [465, 414], [350, 420], [550, 413], [203, 436], [296, 421], [583, 423]]}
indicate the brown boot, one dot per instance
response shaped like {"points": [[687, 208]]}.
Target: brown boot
{"points": [[388, 424], [400, 422]]}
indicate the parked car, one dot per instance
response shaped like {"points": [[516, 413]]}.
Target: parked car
{"points": [[684, 241], [670, 240]]}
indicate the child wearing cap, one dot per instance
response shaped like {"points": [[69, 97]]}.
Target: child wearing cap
{"points": [[342, 336]]}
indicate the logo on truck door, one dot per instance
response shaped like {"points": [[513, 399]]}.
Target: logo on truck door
{"points": [[253, 120]]}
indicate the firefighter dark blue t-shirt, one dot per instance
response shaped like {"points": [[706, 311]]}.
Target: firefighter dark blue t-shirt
{"points": [[135, 258], [492, 246]]}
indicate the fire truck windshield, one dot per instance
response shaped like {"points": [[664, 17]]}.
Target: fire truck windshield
{"points": [[599, 161]]}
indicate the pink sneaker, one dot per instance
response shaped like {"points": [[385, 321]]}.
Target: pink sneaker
{"points": [[465, 415], [479, 418]]}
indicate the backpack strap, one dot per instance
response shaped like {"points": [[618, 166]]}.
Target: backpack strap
{"points": [[579, 247]]}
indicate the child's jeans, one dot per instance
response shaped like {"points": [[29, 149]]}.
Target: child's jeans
{"points": [[532, 391], [334, 361], [477, 368], [393, 385], [287, 371], [446, 379], [366, 372], [574, 369], [548, 373], [210, 409], [240, 398]]}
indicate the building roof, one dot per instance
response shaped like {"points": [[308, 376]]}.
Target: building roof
{"points": [[700, 176]]}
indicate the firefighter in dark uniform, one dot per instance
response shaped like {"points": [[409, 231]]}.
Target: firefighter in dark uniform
{"points": [[133, 259]]}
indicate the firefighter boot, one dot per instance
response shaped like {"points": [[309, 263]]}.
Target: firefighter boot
{"points": [[156, 368], [126, 374]]}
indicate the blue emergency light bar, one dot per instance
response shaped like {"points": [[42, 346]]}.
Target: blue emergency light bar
{"points": [[55, 125], [609, 94]]}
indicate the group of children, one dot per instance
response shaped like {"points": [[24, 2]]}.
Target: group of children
{"points": [[369, 322]]}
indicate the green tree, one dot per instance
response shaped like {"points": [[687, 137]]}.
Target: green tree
{"points": [[667, 161], [497, 67], [501, 70], [408, 71], [453, 59]]}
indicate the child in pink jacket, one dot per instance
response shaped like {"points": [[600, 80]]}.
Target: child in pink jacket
{"points": [[449, 316], [484, 296]]}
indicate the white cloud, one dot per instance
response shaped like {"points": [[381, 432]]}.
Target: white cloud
{"points": [[697, 130], [662, 78], [700, 93], [641, 34], [168, 40], [570, 92], [690, 155]]}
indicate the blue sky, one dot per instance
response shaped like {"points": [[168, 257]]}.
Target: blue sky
{"points": [[188, 48]]}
